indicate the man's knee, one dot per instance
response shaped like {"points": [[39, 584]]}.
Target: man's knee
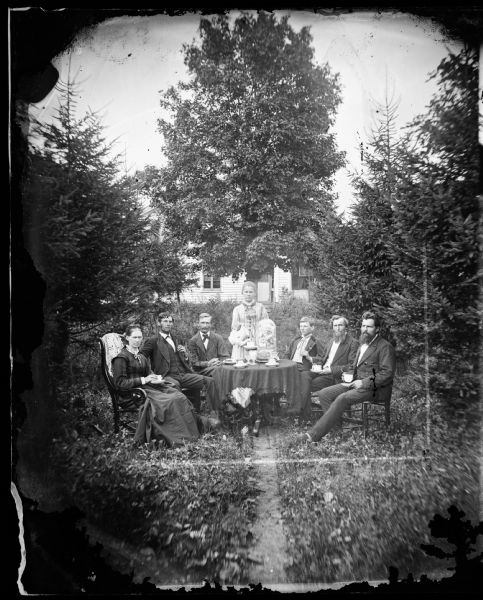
{"points": [[343, 400]]}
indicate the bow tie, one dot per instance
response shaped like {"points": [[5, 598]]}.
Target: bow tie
{"points": [[205, 336]]}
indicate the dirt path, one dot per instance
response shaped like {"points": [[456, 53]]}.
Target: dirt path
{"points": [[270, 547]]}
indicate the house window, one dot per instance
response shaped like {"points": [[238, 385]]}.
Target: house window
{"points": [[302, 277], [210, 282]]}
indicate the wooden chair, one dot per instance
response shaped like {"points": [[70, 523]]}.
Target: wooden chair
{"points": [[124, 402], [364, 414], [368, 413]]}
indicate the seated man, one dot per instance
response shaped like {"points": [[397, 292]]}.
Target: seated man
{"points": [[337, 356], [374, 368], [302, 350], [169, 359], [207, 349]]}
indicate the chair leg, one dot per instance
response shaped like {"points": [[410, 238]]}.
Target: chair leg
{"points": [[116, 414], [365, 420]]}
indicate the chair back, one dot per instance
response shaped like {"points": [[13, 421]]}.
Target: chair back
{"points": [[110, 344]]}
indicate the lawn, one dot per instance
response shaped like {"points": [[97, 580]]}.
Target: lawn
{"points": [[351, 506], [354, 506]]}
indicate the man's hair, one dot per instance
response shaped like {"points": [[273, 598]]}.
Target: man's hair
{"points": [[372, 315], [309, 320], [204, 316], [337, 317], [165, 315], [131, 328]]}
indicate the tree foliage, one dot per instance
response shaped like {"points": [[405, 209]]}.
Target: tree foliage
{"points": [[98, 250], [435, 252], [411, 248], [355, 259], [250, 155]]}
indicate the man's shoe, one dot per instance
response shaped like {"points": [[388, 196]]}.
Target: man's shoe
{"points": [[302, 438]]}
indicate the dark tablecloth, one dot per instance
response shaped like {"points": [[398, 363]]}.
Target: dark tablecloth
{"points": [[261, 379]]}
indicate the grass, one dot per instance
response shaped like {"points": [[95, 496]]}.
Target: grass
{"points": [[354, 506], [191, 506]]}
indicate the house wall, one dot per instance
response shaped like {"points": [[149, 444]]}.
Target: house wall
{"points": [[281, 280], [231, 290]]}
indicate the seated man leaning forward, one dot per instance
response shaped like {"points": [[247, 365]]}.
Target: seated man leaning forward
{"points": [[207, 349], [169, 359], [302, 350], [374, 368], [339, 355]]}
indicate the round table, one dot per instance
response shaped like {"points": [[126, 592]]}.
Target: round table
{"points": [[281, 379]]}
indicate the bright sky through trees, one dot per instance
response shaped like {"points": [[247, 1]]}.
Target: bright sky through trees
{"points": [[123, 63]]}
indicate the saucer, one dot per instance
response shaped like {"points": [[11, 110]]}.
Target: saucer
{"points": [[237, 366]]}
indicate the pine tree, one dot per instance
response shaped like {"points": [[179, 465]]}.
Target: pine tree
{"points": [[435, 255], [98, 250]]}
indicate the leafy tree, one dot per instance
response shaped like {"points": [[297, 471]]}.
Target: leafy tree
{"points": [[250, 158]]}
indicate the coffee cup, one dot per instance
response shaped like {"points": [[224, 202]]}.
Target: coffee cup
{"points": [[347, 376]]}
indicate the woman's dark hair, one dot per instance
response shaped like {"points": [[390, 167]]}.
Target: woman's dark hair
{"points": [[131, 328]]}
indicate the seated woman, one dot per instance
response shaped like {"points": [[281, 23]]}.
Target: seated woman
{"points": [[245, 322], [167, 413]]}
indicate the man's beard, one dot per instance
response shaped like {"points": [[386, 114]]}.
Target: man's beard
{"points": [[366, 338], [338, 337]]}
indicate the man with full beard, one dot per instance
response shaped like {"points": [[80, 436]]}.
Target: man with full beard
{"points": [[338, 356], [373, 373]]}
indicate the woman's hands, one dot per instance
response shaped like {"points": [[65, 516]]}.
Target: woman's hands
{"points": [[153, 378]]}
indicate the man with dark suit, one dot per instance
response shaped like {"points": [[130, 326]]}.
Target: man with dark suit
{"points": [[170, 359], [302, 350], [337, 356], [373, 373], [207, 349]]}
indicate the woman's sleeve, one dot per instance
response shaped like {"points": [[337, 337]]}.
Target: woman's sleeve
{"points": [[236, 319], [263, 313], [121, 377]]}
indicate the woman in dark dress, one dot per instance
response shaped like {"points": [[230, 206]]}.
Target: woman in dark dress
{"points": [[167, 413]]}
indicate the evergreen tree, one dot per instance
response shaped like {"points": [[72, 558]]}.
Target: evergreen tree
{"points": [[98, 251], [435, 255], [355, 257]]}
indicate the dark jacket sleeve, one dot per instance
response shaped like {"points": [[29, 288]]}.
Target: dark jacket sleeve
{"points": [[289, 352], [384, 369], [120, 375], [223, 351], [148, 348], [336, 370], [195, 355]]}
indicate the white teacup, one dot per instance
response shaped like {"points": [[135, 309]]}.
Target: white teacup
{"points": [[347, 377]]}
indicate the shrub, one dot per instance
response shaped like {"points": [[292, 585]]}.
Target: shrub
{"points": [[352, 518], [194, 503]]}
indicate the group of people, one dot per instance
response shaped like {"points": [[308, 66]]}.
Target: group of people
{"points": [[164, 367]]}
